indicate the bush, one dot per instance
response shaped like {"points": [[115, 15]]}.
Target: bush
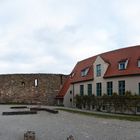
{"points": [[128, 102], [78, 101]]}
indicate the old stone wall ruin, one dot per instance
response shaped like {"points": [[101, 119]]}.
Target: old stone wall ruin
{"points": [[30, 88]]}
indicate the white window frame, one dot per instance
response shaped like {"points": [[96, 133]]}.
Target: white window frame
{"points": [[84, 72], [98, 70], [125, 63]]}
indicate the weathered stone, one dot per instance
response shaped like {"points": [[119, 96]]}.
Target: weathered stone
{"points": [[30, 88]]}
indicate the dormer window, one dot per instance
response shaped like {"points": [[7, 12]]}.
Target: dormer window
{"points": [[123, 64], [84, 72], [98, 70], [72, 74]]}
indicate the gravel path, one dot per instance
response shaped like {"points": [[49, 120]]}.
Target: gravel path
{"points": [[59, 126]]}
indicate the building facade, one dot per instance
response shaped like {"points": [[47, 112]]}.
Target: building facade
{"points": [[116, 71], [30, 88]]}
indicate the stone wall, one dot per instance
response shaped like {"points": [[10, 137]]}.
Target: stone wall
{"points": [[30, 88]]}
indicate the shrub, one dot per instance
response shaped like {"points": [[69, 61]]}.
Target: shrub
{"points": [[78, 101], [128, 102]]}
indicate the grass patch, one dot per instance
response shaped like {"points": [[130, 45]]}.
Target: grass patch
{"points": [[106, 116]]}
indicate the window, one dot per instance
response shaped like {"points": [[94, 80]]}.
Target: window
{"points": [[98, 70], [109, 88], [23, 84], [70, 91], [89, 89], [139, 88], [139, 63], [123, 64], [99, 89], [72, 74], [84, 72], [70, 99], [36, 82], [81, 90], [121, 87]]}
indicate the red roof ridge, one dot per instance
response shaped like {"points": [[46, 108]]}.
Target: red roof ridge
{"points": [[120, 49], [100, 54]]}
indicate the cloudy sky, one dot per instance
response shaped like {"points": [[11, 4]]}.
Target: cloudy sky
{"points": [[50, 36]]}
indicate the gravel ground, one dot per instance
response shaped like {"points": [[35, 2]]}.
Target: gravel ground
{"points": [[59, 126]]}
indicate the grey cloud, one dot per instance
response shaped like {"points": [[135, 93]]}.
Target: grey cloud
{"points": [[51, 36]]}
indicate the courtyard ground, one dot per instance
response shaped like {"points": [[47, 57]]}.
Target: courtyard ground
{"points": [[59, 126]]}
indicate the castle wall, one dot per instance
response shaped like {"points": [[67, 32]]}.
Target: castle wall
{"points": [[30, 88]]}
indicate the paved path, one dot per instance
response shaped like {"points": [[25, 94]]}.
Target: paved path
{"points": [[58, 126]]}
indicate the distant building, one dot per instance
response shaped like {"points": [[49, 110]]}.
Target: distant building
{"points": [[115, 71]]}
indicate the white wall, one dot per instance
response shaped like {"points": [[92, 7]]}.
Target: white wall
{"points": [[77, 87], [67, 98], [131, 83], [100, 79]]}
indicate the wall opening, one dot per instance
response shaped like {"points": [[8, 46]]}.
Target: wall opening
{"points": [[23, 84], [36, 82]]}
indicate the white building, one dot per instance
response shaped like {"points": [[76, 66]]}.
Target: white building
{"points": [[115, 71]]}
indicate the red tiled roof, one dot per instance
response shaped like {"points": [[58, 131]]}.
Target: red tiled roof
{"points": [[132, 54], [64, 88], [79, 67]]}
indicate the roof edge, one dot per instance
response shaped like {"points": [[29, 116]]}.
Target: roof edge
{"points": [[137, 74], [109, 52], [82, 81]]}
